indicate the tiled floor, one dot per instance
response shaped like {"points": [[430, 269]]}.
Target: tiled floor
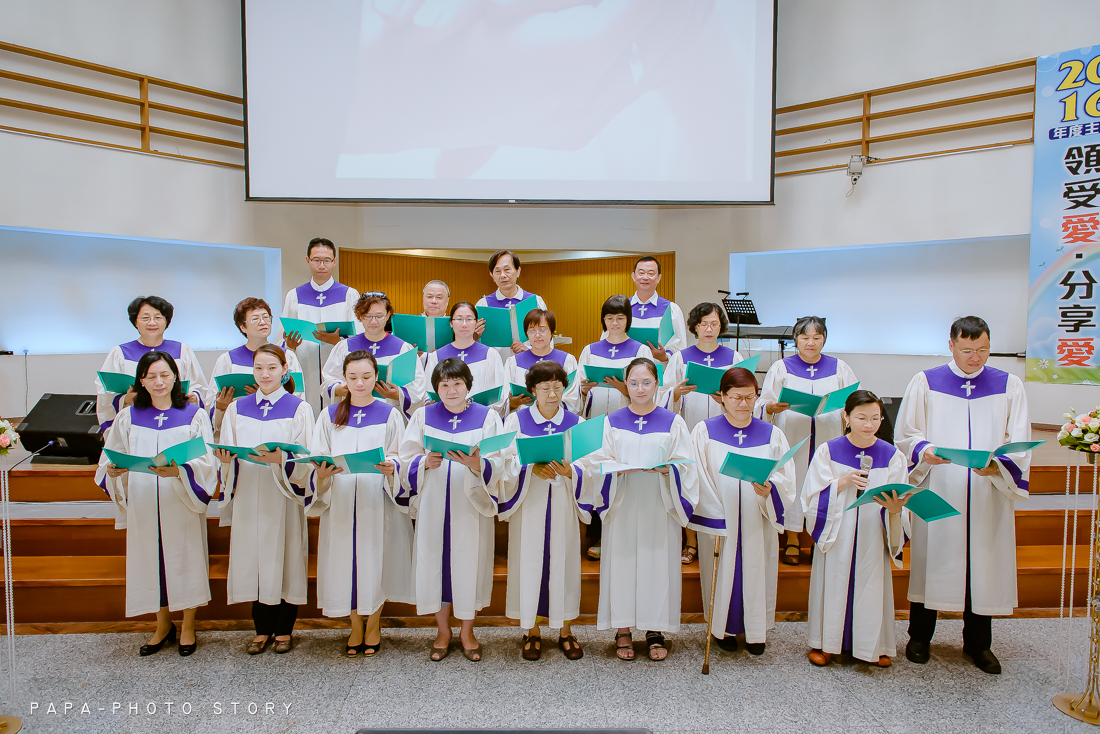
{"points": [[325, 692]]}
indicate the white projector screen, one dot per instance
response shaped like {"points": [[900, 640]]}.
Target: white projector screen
{"points": [[555, 101]]}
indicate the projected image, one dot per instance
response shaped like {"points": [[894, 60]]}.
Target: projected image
{"points": [[531, 100]]}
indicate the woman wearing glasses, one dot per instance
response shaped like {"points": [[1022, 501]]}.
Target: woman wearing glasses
{"points": [[751, 519], [253, 319], [150, 315], [374, 312], [484, 362], [539, 325], [542, 504]]}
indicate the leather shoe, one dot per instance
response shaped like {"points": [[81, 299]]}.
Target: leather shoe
{"points": [[255, 647], [283, 646], [186, 650], [729, 644], [819, 657], [918, 652], [985, 661], [755, 648], [168, 639]]}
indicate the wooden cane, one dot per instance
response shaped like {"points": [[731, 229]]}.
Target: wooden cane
{"points": [[713, 589]]}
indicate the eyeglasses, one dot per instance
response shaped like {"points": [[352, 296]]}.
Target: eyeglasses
{"points": [[710, 324], [259, 320], [372, 294], [538, 332], [375, 317], [151, 320], [647, 385], [972, 352], [552, 389], [742, 398], [322, 260], [464, 320]]}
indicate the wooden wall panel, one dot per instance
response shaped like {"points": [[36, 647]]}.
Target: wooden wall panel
{"points": [[573, 289]]}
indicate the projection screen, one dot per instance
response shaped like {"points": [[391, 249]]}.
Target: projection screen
{"points": [[554, 101]]}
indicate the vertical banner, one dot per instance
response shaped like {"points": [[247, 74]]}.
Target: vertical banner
{"points": [[1063, 297]]}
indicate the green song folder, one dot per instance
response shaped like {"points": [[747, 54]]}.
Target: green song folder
{"points": [[487, 445], [586, 437], [181, 453], [755, 468], [305, 329], [361, 462], [973, 459], [815, 405], [244, 453], [597, 374], [541, 449], [400, 371], [660, 334], [485, 397], [503, 326], [613, 467], [574, 443], [707, 380], [926, 505], [428, 333]]}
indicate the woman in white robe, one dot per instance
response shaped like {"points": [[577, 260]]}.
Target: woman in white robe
{"points": [[808, 371], [164, 514], [542, 504], [643, 511], [540, 325], [364, 547], [263, 500], [150, 315], [752, 517], [851, 585], [453, 499], [484, 362], [252, 317]]}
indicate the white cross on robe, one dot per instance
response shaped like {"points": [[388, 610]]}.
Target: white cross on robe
{"points": [[266, 408], [321, 298], [612, 351], [811, 369], [373, 348], [968, 386], [359, 417], [708, 359], [549, 428], [641, 310], [462, 355], [640, 423], [160, 419], [454, 421], [740, 436]]}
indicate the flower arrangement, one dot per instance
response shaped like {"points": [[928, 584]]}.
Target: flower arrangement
{"points": [[9, 439], [1081, 431]]}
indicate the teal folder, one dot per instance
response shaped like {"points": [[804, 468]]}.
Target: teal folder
{"points": [[661, 334], [428, 333], [503, 326], [973, 459], [116, 382], [586, 437], [181, 453], [485, 397], [245, 453], [815, 405], [926, 505], [708, 380], [487, 445], [755, 468], [361, 462], [597, 374], [541, 449], [305, 329], [613, 467]]}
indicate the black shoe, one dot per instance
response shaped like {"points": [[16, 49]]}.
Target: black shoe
{"points": [[917, 652], [755, 648], [169, 638], [729, 644], [985, 661], [186, 650]]}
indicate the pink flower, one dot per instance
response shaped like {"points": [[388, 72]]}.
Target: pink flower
{"points": [[1095, 447], [5, 441]]}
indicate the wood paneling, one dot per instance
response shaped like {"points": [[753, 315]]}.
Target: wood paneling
{"points": [[573, 289]]}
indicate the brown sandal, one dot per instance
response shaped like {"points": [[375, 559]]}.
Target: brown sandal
{"points": [[532, 647], [438, 653], [571, 648], [255, 647], [884, 661], [819, 658], [624, 652], [791, 555], [283, 646], [471, 652], [687, 556], [658, 650]]}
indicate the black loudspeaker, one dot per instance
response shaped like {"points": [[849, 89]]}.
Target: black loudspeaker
{"points": [[70, 422]]}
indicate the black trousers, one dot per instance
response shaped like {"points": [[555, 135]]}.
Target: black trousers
{"points": [[274, 619], [977, 628]]}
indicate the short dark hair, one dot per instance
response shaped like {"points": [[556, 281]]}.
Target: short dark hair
{"points": [[143, 399], [613, 305], [536, 315], [737, 377], [866, 397], [805, 323], [278, 354], [467, 304], [156, 302], [362, 306], [499, 254], [451, 368], [343, 408], [647, 259], [545, 370], [320, 242], [641, 362], [706, 309], [242, 309], [969, 327]]}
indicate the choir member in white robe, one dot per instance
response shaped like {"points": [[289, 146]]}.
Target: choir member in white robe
{"points": [[965, 563], [364, 547], [253, 318], [706, 322], [318, 300], [648, 308], [264, 502], [150, 315], [453, 500], [539, 326], [808, 371], [436, 298], [616, 349], [374, 313], [751, 519], [543, 507], [484, 362], [851, 582], [164, 514], [505, 272], [643, 512]]}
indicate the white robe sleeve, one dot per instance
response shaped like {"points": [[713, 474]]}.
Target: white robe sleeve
{"points": [[482, 487], [897, 528], [909, 434], [769, 391], [1014, 469], [782, 489], [320, 444], [819, 500], [223, 366], [412, 457], [515, 478], [118, 439], [293, 477], [351, 297], [679, 330], [197, 482], [391, 449], [332, 374], [413, 394], [845, 375], [572, 398], [499, 377], [674, 374], [108, 404], [599, 494], [290, 304], [192, 371], [684, 494], [228, 473], [707, 520]]}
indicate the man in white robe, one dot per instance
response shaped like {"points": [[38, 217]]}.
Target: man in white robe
{"points": [[965, 563], [648, 308], [505, 272]]}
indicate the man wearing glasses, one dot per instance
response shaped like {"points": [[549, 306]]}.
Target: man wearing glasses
{"points": [[320, 299], [965, 563]]}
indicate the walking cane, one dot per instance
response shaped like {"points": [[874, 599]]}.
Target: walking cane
{"points": [[710, 615]]}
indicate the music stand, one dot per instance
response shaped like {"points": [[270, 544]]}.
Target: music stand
{"points": [[739, 311]]}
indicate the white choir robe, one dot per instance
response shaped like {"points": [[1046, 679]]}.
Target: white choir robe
{"points": [[239, 361], [544, 537], [453, 508], [364, 547], [517, 366], [604, 400], [485, 365], [384, 350], [695, 407], [851, 584], [265, 503], [165, 519], [124, 359], [642, 514], [945, 407], [317, 303], [825, 376], [748, 564], [499, 300], [648, 315]]}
